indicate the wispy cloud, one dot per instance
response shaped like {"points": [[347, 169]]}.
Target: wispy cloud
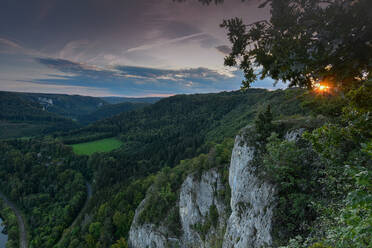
{"points": [[8, 46], [191, 73], [10, 43], [131, 80], [74, 49], [165, 42]]}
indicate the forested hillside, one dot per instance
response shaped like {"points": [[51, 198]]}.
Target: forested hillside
{"points": [[109, 110], [157, 138], [294, 183], [193, 116], [32, 114], [69, 106], [22, 117], [115, 100], [162, 135]]}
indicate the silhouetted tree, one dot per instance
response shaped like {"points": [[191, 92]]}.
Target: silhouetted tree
{"points": [[305, 41]]}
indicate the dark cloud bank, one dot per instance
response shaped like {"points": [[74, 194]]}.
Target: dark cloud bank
{"points": [[131, 80]]}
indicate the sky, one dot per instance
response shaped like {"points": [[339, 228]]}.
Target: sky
{"points": [[134, 48]]}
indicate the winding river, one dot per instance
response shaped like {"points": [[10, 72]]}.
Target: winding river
{"points": [[3, 237]]}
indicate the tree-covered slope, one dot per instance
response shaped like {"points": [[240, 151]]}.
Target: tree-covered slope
{"points": [[115, 100], [44, 179], [32, 114], [162, 134], [16, 107], [21, 117], [177, 128], [187, 120], [109, 110], [302, 182], [69, 106], [183, 127]]}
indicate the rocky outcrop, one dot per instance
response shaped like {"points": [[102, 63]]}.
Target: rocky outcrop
{"points": [[199, 204], [247, 222], [252, 201], [148, 235], [198, 197]]}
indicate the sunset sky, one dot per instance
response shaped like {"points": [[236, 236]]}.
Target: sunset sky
{"points": [[119, 47]]}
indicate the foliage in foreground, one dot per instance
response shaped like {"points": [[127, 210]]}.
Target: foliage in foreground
{"points": [[324, 181], [305, 41]]}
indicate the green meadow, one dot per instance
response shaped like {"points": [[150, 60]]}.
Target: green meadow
{"points": [[103, 145]]}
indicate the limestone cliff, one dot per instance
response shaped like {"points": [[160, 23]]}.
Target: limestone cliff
{"points": [[206, 220], [252, 201], [198, 199], [202, 212]]}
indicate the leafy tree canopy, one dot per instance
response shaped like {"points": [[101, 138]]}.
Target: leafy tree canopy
{"points": [[305, 41]]}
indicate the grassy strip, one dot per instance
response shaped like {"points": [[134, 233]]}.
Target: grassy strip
{"points": [[103, 145]]}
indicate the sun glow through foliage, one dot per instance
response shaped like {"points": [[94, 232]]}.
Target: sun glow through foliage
{"points": [[321, 87]]}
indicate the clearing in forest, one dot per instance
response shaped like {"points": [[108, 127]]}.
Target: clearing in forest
{"points": [[103, 145]]}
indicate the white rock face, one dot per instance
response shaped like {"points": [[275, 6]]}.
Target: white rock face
{"points": [[252, 202], [148, 235], [197, 195], [196, 198], [45, 101]]}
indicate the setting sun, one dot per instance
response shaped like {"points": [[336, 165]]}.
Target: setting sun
{"points": [[320, 87]]}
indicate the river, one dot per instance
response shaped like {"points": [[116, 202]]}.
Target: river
{"points": [[3, 237]]}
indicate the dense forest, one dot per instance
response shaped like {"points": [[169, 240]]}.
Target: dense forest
{"points": [[115, 100], [11, 224], [181, 135], [109, 110], [186, 126], [159, 135], [44, 179]]}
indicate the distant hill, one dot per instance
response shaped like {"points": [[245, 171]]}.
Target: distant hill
{"points": [[110, 110], [21, 116], [32, 114], [114, 100], [69, 106]]}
